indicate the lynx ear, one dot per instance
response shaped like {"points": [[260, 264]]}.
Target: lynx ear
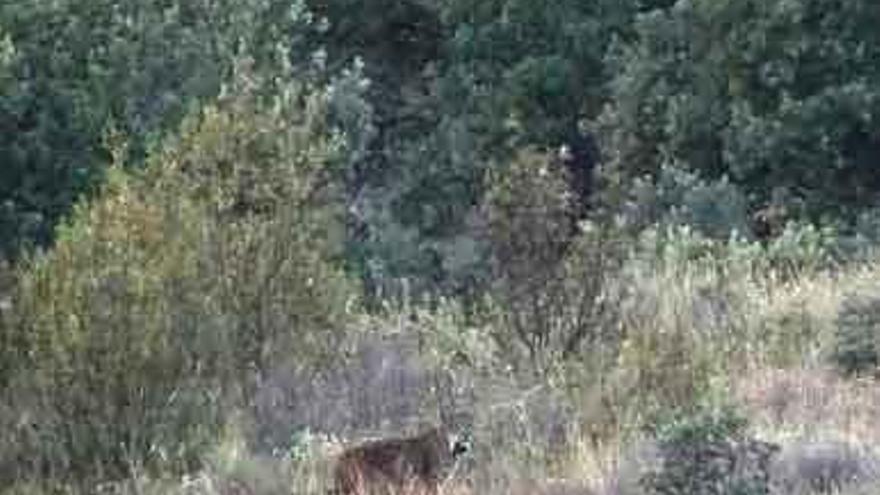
{"points": [[459, 444]]}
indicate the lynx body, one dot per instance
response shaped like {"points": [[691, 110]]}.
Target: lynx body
{"points": [[411, 465]]}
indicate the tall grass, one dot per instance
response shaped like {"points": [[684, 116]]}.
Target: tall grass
{"points": [[693, 333]]}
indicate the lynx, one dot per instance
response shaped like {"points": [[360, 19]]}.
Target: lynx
{"points": [[411, 465]]}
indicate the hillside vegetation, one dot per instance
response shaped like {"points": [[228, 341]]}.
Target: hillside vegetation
{"points": [[629, 246]]}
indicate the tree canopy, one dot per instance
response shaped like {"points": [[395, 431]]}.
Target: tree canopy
{"points": [[774, 99]]}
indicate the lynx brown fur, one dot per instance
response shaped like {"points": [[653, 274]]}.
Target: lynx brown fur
{"points": [[410, 465]]}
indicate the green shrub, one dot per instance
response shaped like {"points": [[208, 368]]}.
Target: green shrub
{"points": [[715, 209], [856, 345], [707, 452], [549, 272], [529, 211], [168, 295], [803, 248]]}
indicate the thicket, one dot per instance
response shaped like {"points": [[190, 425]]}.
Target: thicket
{"points": [[768, 105], [709, 452], [167, 297], [73, 70], [778, 97], [195, 194]]}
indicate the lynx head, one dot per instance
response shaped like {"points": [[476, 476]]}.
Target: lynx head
{"points": [[460, 443]]}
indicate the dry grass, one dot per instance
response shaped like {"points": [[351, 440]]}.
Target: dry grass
{"points": [[827, 427], [688, 332]]}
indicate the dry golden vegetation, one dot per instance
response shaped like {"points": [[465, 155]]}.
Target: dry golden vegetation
{"points": [[689, 333]]}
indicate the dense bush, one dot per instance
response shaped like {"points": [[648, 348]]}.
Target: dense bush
{"points": [[457, 90], [707, 452], [523, 72], [738, 100], [772, 94], [167, 296], [715, 209], [857, 337], [70, 70], [550, 272]]}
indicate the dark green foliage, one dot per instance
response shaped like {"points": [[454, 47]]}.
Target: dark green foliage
{"points": [[857, 337], [457, 86], [707, 452], [525, 71], [772, 94], [759, 105], [83, 68], [411, 181], [395, 37], [716, 209], [750, 99]]}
